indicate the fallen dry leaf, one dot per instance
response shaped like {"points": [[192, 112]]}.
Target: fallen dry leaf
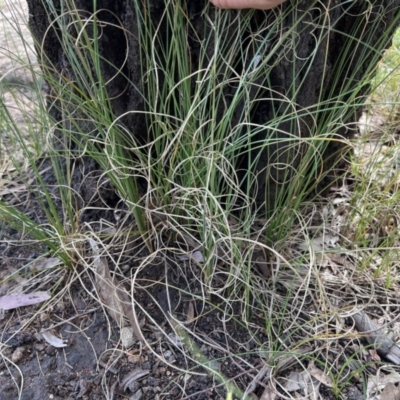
{"points": [[196, 256], [319, 375], [45, 263], [377, 383], [259, 258], [133, 376], [374, 355], [52, 339], [295, 381], [268, 394], [190, 313], [22, 300], [391, 392], [113, 294]]}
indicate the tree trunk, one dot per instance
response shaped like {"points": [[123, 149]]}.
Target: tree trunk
{"points": [[317, 69]]}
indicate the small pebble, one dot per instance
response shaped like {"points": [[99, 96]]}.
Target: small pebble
{"points": [[39, 346], [134, 359], [18, 354], [127, 337], [168, 354]]}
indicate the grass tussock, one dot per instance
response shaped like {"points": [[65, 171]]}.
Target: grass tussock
{"points": [[288, 277]]}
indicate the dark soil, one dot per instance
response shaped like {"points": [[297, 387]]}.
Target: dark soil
{"points": [[93, 366]]}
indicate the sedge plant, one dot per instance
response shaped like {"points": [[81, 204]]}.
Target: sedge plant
{"points": [[193, 179]]}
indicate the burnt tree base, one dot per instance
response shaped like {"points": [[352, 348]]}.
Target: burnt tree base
{"points": [[319, 59]]}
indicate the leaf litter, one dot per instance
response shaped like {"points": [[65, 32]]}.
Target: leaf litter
{"points": [[13, 301], [52, 339], [115, 297]]}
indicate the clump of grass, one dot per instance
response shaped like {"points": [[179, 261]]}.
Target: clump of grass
{"points": [[268, 266]]}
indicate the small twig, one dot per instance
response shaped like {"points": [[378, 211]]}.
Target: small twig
{"points": [[108, 368]]}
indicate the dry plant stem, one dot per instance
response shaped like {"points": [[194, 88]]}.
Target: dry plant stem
{"points": [[107, 368]]}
